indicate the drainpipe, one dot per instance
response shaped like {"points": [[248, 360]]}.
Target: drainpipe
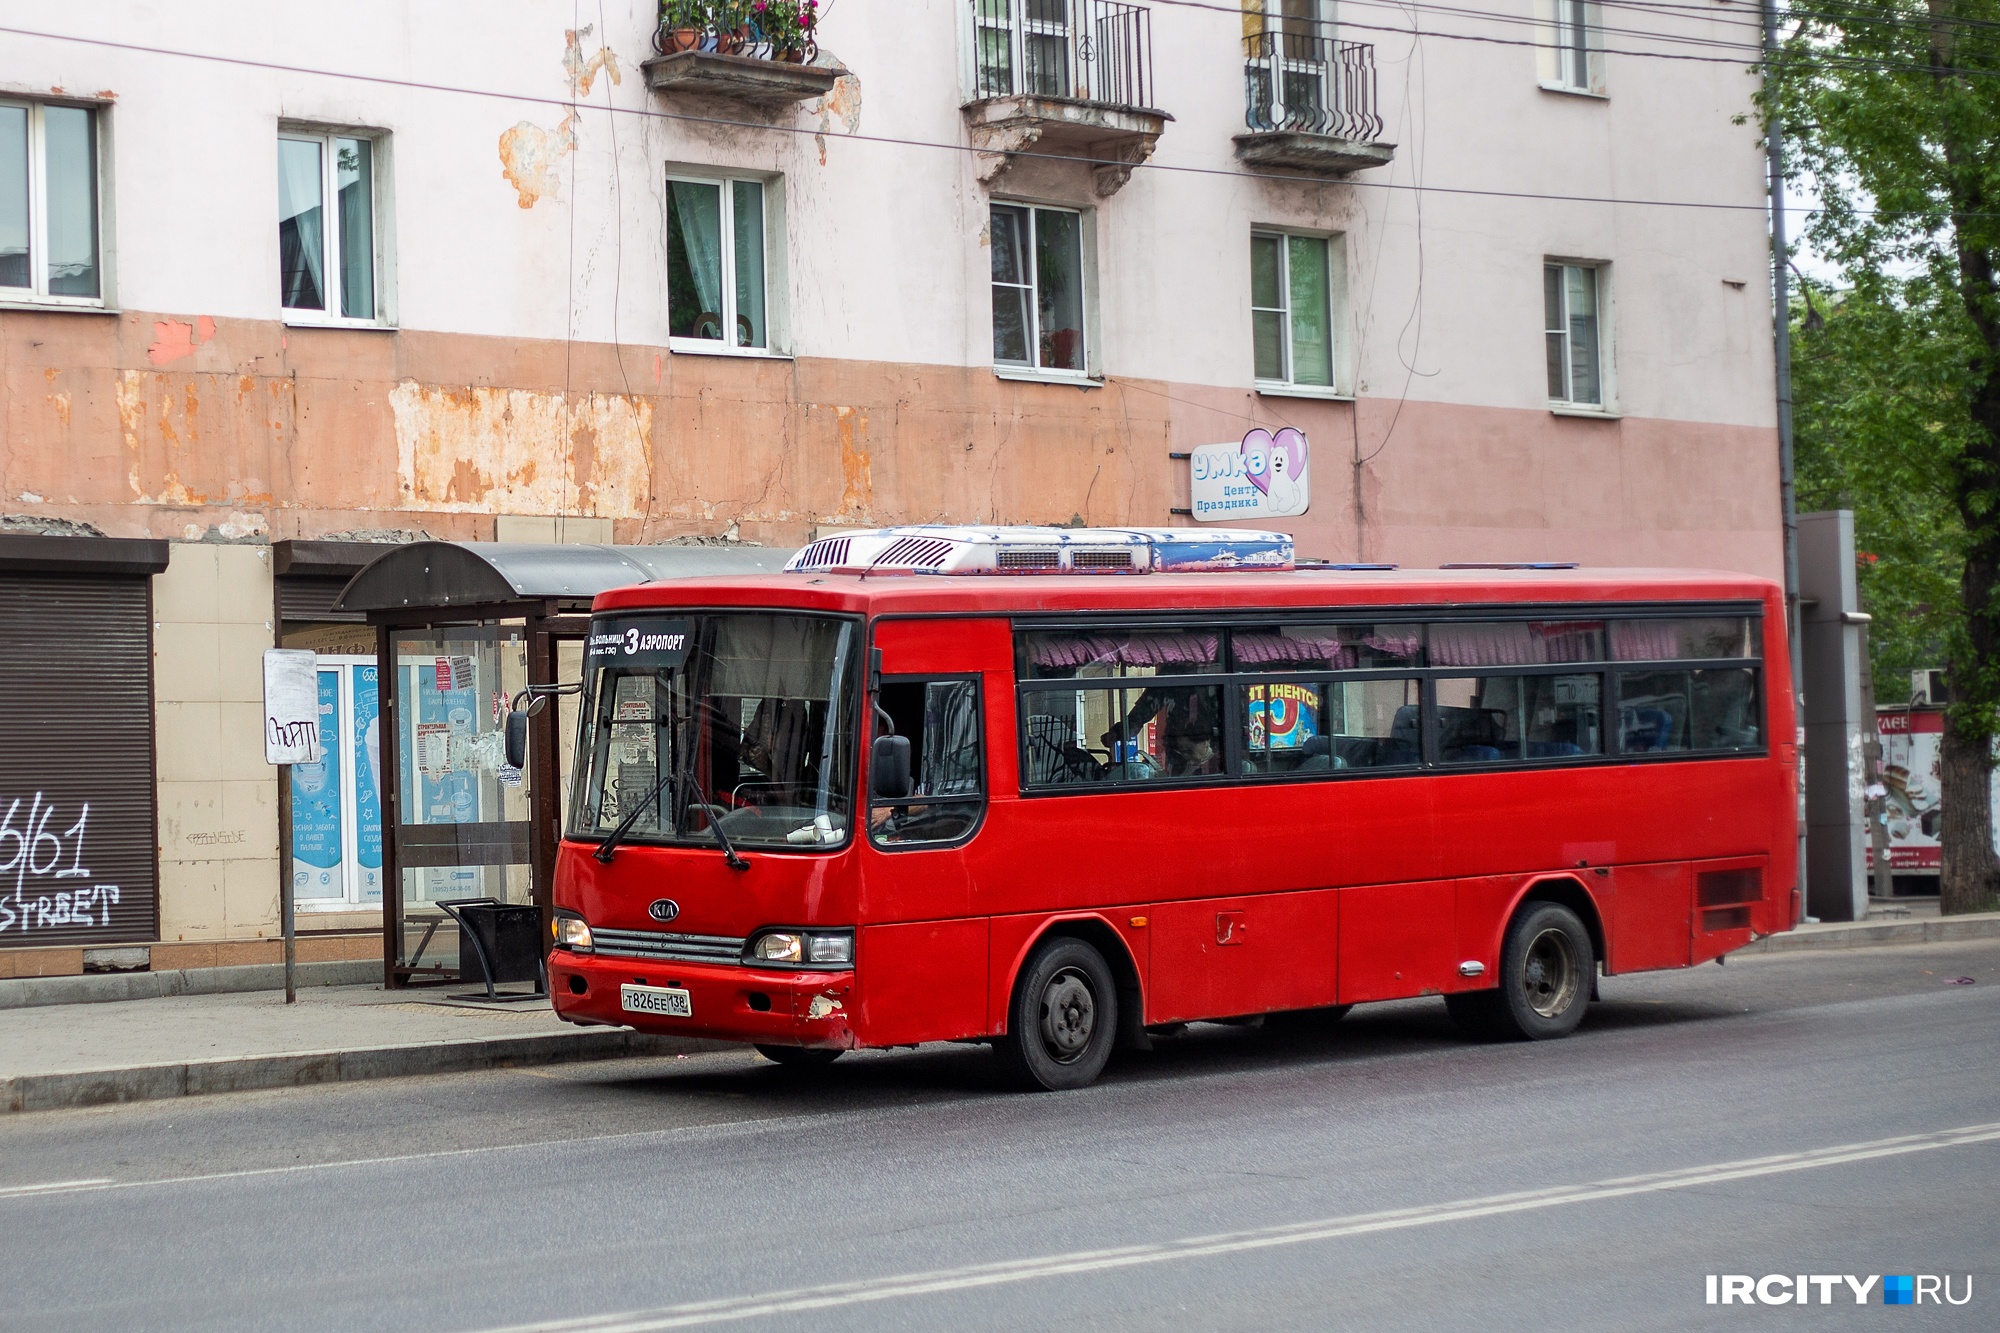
{"points": [[1781, 291]]}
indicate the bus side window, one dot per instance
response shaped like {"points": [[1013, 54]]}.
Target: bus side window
{"points": [[942, 720]]}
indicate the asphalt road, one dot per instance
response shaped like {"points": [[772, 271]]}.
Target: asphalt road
{"points": [[1789, 1114]]}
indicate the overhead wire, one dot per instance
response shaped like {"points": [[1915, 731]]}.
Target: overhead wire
{"points": [[724, 122]]}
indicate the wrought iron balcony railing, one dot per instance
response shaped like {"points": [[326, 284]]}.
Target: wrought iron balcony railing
{"points": [[1082, 50], [1310, 84]]}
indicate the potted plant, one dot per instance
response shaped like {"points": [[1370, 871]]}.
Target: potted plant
{"points": [[791, 27], [732, 25], [681, 22]]}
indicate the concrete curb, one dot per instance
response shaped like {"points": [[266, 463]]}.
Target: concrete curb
{"points": [[1863, 934], [32, 992], [194, 1078]]}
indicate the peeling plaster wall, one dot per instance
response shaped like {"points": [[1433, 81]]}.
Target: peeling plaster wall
{"points": [[524, 244], [517, 451]]}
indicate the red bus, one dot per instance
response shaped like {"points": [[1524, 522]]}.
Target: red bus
{"points": [[1053, 789]]}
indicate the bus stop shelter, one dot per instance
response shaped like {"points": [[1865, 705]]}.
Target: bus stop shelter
{"points": [[460, 629]]}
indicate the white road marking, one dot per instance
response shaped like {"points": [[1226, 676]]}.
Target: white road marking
{"points": [[832, 1295], [53, 1187]]}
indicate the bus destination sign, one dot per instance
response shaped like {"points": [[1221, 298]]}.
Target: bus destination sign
{"points": [[650, 645]]}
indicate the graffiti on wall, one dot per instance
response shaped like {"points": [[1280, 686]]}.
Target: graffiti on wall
{"points": [[52, 886]]}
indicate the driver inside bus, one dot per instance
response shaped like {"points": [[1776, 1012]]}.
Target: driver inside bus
{"points": [[1192, 726]]}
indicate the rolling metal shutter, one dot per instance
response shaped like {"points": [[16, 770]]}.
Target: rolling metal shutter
{"points": [[78, 836], [305, 597]]}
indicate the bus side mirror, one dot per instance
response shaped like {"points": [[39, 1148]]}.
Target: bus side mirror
{"points": [[889, 767], [517, 738]]}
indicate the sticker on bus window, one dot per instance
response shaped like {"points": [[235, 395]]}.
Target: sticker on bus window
{"points": [[647, 645], [1282, 717]]}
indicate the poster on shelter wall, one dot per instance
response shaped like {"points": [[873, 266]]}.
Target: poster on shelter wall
{"points": [[1263, 475], [1910, 774], [367, 781], [319, 843]]}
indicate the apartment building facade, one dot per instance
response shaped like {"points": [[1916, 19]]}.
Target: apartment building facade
{"points": [[278, 280]]}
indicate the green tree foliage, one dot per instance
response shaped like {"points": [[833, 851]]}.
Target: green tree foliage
{"points": [[1880, 416], [1892, 109]]}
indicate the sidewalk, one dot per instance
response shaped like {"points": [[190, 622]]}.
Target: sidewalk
{"points": [[184, 1045], [1892, 921], [181, 1044]]}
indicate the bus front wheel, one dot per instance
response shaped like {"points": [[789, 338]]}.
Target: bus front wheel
{"points": [[1546, 967], [1063, 1018]]}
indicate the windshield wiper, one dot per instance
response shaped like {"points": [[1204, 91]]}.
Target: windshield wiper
{"points": [[681, 779], [729, 856], [609, 847], [675, 776]]}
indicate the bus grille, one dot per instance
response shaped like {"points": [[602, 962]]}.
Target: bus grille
{"points": [[667, 945], [1101, 559]]}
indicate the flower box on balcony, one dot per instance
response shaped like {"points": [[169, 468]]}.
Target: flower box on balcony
{"points": [[768, 84]]}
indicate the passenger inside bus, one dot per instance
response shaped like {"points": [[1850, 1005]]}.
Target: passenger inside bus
{"points": [[1193, 725]]}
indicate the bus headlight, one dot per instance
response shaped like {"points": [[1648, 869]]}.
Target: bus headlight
{"points": [[809, 948], [572, 932], [779, 947]]}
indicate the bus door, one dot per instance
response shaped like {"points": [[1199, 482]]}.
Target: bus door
{"points": [[924, 963]]}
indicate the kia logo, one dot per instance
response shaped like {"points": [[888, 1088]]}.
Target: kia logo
{"points": [[664, 909]]}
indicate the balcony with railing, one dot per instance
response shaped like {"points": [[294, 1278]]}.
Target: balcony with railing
{"points": [[1309, 104], [1064, 77]]}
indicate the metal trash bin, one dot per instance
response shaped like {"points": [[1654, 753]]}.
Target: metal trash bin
{"points": [[505, 942]]}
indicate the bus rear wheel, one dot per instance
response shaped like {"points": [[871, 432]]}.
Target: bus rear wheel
{"points": [[800, 1057], [1546, 968], [1062, 1020]]}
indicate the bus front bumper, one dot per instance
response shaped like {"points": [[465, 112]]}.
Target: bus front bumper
{"points": [[726, 1002]]}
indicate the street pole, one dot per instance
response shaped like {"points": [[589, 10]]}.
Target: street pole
{"points": [[286, 908], [1781, 293]]}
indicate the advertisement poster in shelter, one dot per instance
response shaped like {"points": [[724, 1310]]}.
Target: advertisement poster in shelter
{"points": [[367, 781], [318, 823]]}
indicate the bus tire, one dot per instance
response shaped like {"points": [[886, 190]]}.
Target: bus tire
{"points": [[800, 1057], [1546, 967], [1063, 1019]]}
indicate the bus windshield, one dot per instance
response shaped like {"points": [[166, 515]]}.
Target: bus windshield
{"points": [[690, 720]]}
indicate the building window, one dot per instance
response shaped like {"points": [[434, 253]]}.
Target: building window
{"points": [[327, 259], [1039, 286], [717, 260], [1022, 47], [48, 203], [1570, 47], [1294, 283], [1572, 302]]}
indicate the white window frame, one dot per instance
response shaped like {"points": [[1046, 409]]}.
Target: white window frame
{"points": [[329, 193], [1601, 273], [38, 293], [777, 330], [1268, 17], [1569, 46], [1092, 371], [1336, 282], [1019, 28]]}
